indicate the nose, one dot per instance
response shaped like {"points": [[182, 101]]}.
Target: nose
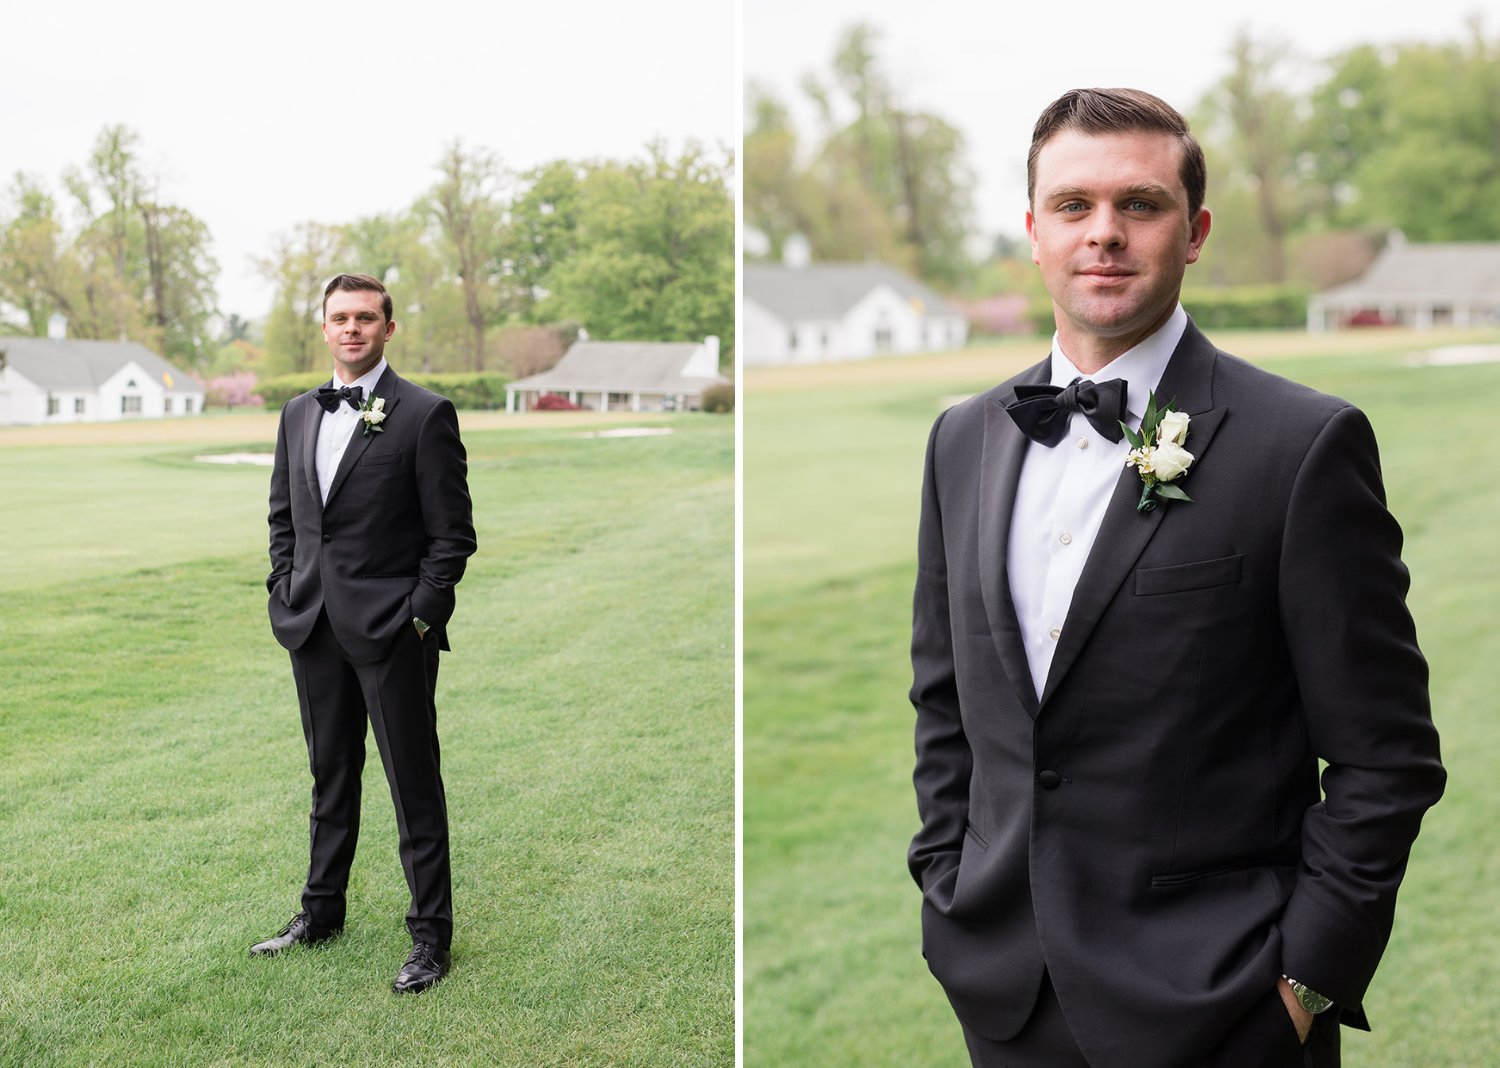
{"points": [[1106, 229]]}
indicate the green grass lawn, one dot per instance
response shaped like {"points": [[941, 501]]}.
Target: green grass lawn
{"points": [[832, 964], [154, 785]]}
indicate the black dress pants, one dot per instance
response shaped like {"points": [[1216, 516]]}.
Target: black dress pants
{"points": [[1264, 1037], [395, 695]]}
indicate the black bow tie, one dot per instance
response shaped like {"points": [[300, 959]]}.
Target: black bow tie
{"points": [[329, 397], [1042, 412]]}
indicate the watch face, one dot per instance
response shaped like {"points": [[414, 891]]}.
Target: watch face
{"points": [[1312, 1002]]}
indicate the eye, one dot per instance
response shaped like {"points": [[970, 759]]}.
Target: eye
{"points": [[1072, 207], [1139, 205]]}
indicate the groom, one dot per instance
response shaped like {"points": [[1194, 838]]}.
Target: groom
{"points": [[370, 530], [1125, 676]]}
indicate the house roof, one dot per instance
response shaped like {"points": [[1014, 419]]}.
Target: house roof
{"points": [[823, 291], [78, 366], [1445, 272], [627, 367]]}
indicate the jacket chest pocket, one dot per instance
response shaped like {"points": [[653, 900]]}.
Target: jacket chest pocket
{"points": [[1199, 575], [378, 459]]}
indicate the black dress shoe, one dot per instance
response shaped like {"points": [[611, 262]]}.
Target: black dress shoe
{"points": [[299, 929], [426, 965]]}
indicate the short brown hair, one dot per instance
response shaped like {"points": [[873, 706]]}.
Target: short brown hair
{"points": [[1107, 111], [353, 283]]}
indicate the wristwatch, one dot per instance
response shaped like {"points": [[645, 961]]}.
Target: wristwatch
{"points": [[1310, 1000], [422, 628]]}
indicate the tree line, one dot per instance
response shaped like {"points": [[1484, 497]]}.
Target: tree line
{"points": [[1403, 137], [489, 269], [1312, 162], [496, 270], [129, 265], [888, 183]]}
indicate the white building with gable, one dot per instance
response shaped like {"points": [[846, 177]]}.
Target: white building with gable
{"points": [[823, 312], [626, 376], [57, 380]]}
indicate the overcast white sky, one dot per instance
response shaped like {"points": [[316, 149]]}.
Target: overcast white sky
{"points": [[265, 114], [990, 68]]}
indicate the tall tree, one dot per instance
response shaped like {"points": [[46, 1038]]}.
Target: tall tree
{"points": [[655, 258], [469, 203], [1258, 133], [36, 267], [136, 267], [890, 184], [299, 266]]}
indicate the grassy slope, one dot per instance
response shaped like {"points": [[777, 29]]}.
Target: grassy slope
{"points": [[833, 970], [153, 783]]}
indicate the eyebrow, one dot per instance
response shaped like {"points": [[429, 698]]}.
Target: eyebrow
{"points": [[1068, 192]]}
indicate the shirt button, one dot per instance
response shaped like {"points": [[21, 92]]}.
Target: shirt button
{"points": [[329, 537], [1056, 633], [1065, 538], [1083, 443]]}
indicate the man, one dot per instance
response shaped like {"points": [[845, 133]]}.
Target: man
{"points": [[1123, 686], [370, 529]]}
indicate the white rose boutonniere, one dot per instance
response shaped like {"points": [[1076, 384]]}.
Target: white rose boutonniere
{"points": [[373, 414], [1156, 451]]}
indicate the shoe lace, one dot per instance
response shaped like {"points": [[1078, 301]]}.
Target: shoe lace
{"points": [[421, 953], [290, 924]]}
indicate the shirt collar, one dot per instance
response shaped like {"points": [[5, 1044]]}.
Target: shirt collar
{"points": [[367, 380], [1141, 366]]}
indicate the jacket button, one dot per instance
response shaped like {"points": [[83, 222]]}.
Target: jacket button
{"points": [[1050, 780], [327, 537]]}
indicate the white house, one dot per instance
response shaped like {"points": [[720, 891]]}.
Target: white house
{"points": [[56, 380], [1418, 285], [824, 312], [633, 376]]}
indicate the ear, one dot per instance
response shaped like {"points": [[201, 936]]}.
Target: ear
{"points": [[1031, 236], [390, 328], [1199, 234]]}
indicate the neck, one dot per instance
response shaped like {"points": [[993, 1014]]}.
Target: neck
{"points": [[351, 373], [1090, 352]]}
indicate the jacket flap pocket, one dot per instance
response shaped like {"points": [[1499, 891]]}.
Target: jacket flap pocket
{"points": [[1224, 571], [369, 459]]}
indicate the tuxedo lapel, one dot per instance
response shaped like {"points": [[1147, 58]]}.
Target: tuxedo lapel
{"points": [[1125, 532], [999, 474], [384, 387], [312, 423]]}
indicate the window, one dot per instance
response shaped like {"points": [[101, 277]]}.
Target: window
{"points": [[79, 407], [187, 405], [130, 405], [166, 405], [51, 404], [882, 339]]}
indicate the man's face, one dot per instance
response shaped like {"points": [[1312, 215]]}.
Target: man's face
{"points": [[356, 331], [1109, 228]]}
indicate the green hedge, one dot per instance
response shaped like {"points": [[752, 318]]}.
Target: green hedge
{"points": [[464, 390], [277, 391], [1247, 307], [719, 398]]}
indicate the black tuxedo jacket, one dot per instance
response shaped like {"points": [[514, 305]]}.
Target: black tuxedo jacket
{"points": [[1151, 831], [393, 539]]}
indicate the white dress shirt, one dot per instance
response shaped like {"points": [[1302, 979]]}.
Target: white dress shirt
{"points": [[338, 426], [1064, 490]]}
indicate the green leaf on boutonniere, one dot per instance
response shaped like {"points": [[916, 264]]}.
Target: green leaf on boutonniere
{"points": [[1136, 441], [1171, 492]]}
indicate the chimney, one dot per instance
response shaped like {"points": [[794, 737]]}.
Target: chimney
{"points": [[57, 327], [796, 251], [711, 343]]}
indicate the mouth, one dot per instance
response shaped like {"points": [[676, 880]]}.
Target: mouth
{"points": [[1107, 276]]}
